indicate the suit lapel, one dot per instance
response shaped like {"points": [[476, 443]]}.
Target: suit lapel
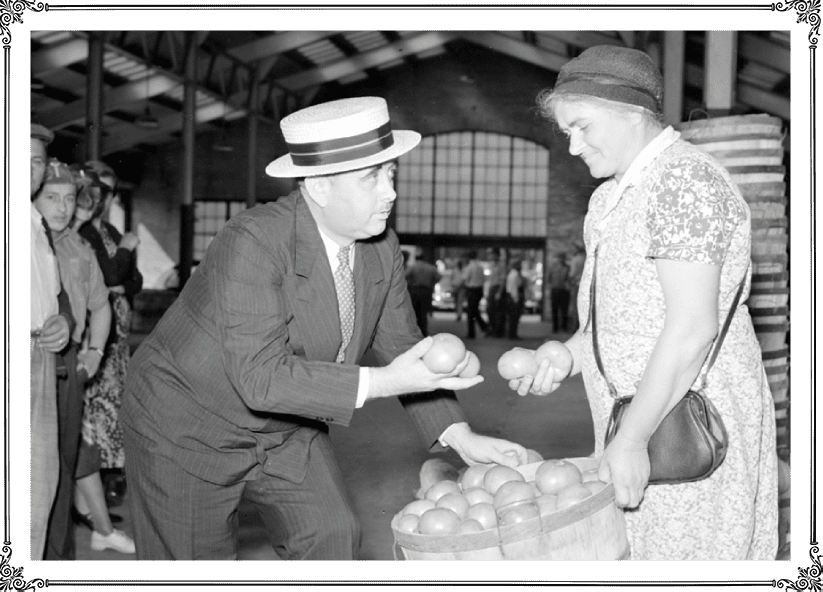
{"points": [[367, 275], [316, 303]]}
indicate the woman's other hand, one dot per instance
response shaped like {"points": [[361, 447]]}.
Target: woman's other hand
{"points": [[543, 382], [129, 241], [625, 463], [117, 289]]}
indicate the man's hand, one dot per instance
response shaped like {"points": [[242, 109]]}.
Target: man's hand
{"points": [[541, 384], [90, 360], [625, 463], [476, 449], [55, 334], [408, 374]]}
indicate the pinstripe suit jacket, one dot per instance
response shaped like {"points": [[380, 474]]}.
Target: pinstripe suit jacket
{"points": [[239, 374]]}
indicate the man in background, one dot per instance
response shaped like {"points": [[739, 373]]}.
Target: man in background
{"points": [[51, 326], [421, 277], [495, 305]]}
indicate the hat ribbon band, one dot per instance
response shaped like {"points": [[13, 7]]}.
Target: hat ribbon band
{"points": [[605, 79], [353, 148]]}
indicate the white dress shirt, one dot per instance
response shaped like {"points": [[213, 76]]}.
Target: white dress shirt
{"points": [[45, 276], [332, 249]]}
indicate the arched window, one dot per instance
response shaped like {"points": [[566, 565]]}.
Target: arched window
{"points": [[473, 184]]}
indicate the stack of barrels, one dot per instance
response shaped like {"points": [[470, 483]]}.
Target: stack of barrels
{"points": [[751, 148]]}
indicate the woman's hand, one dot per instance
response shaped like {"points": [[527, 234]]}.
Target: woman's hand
{"points": [[119, 289], [625, 463], [90, 360], [542, 383], [129, 241]]}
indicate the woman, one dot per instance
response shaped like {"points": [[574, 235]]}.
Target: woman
{"points": [[671, 237], [64, 189], [115, 254]]}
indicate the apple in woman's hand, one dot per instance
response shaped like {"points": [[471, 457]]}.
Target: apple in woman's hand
{"points": [[558, 355], [516, 363], [445, 354]]}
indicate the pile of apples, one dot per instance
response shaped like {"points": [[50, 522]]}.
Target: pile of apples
{"points": [[488, 496]]}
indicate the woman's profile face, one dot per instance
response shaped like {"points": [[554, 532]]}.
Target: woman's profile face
{"points": [[603, 138]]}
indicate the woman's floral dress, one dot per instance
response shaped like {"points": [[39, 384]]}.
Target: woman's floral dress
{"points": [[104, 391], [682, 205]]}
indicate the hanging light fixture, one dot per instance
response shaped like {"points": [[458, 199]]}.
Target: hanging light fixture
{"points": [[147, 120], [221, 145]]}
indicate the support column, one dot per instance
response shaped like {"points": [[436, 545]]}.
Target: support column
{"points": [[94, 96], [251, 176], [674, 63], [187, 199], [721, 72]]}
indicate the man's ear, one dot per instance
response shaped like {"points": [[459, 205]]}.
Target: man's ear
{"points": [[317, 188]]}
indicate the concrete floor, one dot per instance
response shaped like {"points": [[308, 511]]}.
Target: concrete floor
{"points": [[380, 453]]}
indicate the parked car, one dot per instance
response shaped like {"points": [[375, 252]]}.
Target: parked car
{"points": [[443, 295]]}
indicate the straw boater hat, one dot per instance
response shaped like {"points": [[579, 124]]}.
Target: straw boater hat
{"points": [[340, 136]]}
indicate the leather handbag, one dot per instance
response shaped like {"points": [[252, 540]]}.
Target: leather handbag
{"points": [[691, 441]]}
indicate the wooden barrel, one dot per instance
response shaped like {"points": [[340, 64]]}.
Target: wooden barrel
{"points": [[593, 529], [751, 149]]}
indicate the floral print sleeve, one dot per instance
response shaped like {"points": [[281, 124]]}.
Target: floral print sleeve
{"points": [[692, 213]]}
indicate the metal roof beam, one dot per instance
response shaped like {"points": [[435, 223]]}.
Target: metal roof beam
{"points": [[276, 44], [59, 56], [583, 39], [765, 52], [747, 94], [370, 59], [518, 49]]}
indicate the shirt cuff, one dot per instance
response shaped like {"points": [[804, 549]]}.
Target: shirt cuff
{"points": [[362, 387], [446, 431]]}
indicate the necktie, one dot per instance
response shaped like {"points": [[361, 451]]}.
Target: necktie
{"points": [[344, 284]]}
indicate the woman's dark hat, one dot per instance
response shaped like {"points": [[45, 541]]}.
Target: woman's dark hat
{"points": [[614, 73]]}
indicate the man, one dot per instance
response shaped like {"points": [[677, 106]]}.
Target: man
{"points": [[422, 277], [560, 296], [232, 393], [51, 326], [515, 298], [495, 307], [474, 279]]}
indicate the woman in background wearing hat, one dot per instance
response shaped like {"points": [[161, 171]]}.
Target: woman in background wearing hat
{"points": [[116, 257], [670, 234]]}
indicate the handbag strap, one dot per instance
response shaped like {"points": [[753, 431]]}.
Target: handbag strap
{"points": [[718, 342]]}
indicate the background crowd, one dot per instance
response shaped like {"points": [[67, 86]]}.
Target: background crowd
{"points": [[79, 352]]}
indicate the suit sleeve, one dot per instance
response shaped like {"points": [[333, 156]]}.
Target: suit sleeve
{"points": [[396, 332], [251, 316]]}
